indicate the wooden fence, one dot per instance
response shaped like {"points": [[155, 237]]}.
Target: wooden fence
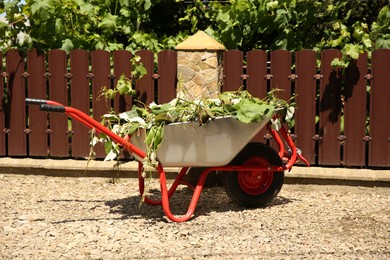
{"points": [[342, 117]]}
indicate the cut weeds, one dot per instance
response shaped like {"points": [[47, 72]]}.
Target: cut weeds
{"points": [[152, 118]]}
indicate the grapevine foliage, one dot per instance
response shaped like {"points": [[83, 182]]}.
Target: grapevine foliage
{"points": [[162, 24]]}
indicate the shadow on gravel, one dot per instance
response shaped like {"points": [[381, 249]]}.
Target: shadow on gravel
{"points": [[83, 220], [211, 200], [69, 200]]}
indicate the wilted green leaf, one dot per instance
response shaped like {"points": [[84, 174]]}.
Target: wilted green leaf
{"points": [[367, 42], [147, 5], [339, 63], [108, 147], [124, 86], [250, 111], [111, 155], [352, 50], [276, 124], [67, 45], [290, 113]]}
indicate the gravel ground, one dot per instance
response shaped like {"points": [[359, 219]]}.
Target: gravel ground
{"points": [[94, 218]]}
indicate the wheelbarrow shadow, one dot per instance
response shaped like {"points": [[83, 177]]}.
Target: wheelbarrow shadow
{"points": [[211, 200]]}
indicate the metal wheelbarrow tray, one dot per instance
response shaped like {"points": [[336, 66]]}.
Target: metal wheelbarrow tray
{"points": [[213, 144], [252, 173]]}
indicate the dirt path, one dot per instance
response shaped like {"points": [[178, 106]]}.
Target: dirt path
{"points": [[91, 218]]}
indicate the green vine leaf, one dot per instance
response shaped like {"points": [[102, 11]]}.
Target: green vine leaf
{"points": [[108, 24]]}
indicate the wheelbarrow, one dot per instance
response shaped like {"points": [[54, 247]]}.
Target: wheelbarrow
{"points": [[252, 173]]}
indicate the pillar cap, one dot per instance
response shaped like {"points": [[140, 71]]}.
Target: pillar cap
{"points": [[200, 41]]}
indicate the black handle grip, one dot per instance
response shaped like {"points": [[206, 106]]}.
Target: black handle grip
{"points": [[34, 101], [50, 108]]}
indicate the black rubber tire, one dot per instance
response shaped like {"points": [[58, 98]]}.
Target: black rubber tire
{"points": [[259, 154]]}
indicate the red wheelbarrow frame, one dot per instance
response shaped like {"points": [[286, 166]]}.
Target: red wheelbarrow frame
{"points": [[290, 158]]}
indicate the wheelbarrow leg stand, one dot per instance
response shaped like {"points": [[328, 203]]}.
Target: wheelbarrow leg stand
{"points": [[171, 191], [167, 194], [194, 199]]}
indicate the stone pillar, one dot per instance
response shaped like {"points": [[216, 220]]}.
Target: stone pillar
{"points": [[199, 67]]}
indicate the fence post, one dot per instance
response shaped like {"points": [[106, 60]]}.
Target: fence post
{"points": [[80, 99], [2, 112], [379, 154], [281, 71], [100, 61], [330, 110], [58, 81], [145, 85], [36, 89], [306, 90], [233, 62], [167, 75], [122, 66], [256, 82], [280, 77], [16, 106], [355, 112]]}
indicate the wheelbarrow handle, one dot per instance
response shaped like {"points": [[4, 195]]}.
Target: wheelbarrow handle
{"points": [[34, 101], [51, 108]]}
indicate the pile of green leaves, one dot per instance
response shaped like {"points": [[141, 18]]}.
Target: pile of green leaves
{"points": [[152, 118]]}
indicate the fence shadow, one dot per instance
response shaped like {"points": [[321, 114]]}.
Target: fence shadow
{"points": [[331, 98], [352, 77]]}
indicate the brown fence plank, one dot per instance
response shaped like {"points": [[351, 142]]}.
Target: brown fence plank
{"points": [[101, 78], [145, 85], [379, 154], [37, 89], [122, 66], [305, 88], [281, 70], [330, 109], [167, 70], [233, 61], [3, 148], [355, 112], [80, 100], [59, 146], [16, 96], [256, 84]]}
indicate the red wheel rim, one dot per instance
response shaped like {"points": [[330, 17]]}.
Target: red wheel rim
{"points": [[255, 182]]}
